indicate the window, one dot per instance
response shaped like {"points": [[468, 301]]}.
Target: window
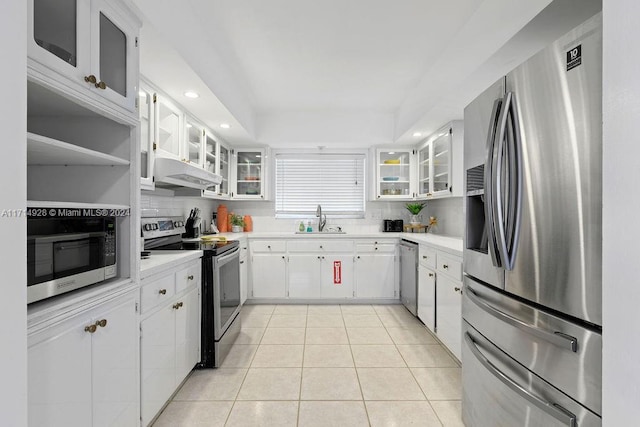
{"points": [[335, 181]]}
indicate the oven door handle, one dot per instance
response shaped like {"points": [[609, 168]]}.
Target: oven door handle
{"points": [[228, 256], [552, 409]]}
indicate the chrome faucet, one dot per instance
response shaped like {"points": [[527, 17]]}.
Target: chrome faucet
{"points": [[321, 222]]}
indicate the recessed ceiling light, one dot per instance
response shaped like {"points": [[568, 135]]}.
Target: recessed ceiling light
{"points": [[417, 134], [391, 152], [191, 94], [225, 125]]}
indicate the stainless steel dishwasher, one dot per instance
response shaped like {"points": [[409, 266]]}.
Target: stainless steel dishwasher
{"points": [[409, 275]]}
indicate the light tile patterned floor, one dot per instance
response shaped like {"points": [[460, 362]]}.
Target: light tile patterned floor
{"points": [[324, 365]]}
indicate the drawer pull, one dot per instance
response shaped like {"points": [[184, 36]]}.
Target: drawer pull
{"points": [[102, 323], [91, 328], [190, 277], [556, 338], [162, 291]]}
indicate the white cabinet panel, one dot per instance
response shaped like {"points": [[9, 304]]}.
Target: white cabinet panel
{"points": [[187, 334], [304, 276], [427, 297], [268, 275], [337, 278], [449, 314], [376, 276]]}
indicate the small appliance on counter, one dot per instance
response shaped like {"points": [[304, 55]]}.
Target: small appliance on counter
{"points": [[393, 225], [192, 225]]}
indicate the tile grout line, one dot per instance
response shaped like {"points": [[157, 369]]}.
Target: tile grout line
{"points": [[364, 402]]}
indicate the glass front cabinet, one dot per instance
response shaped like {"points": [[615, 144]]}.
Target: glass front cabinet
{"points": [[434, 165], [194, 140], [93, 43], [249, 173], [395, 171], [169, 124], [146, 110]]}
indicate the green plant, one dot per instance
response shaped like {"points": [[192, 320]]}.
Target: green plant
{"points": [[415, 208], [237, 220]]}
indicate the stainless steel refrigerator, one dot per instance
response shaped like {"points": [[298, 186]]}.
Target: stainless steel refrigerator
{"points": [[532, 318]]}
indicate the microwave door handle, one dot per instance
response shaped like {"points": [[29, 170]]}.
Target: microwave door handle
{"points": [[488, 184], [553, 409], [498, 183], [514, 150]]}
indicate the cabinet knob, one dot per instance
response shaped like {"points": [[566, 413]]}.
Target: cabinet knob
{"points": [[320, 246], [190, 277], [268, 246], [162, 291], [457, 289], [177, 306], [101, 85], [430, 274], [102, 323], [318, 256], [424, 257], [375, 249], [282, 256], [445, 266], [90, 79], [358, 256], [322, 257], [91, 328], [241, 262], [180, 304]]}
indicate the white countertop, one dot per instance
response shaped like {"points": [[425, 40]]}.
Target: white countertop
{"points": [[162, 260]]}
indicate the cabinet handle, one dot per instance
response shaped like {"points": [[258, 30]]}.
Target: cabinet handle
{"points": [[322, 257], [91, 328], [102, 323], [190, 277], [430, 274], [268, 246], [90, 79], [241, 262], [101, 85], [424, 257], [318, 256], [177, 305], [375, 243], [457, 289], [375, 249], [445, 266], [180, 304], [282, 256], [162, 291], [358, 256], [320, 246]]}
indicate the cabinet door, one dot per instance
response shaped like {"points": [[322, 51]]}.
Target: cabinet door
{"points": [[168, 127], [337, 276], [59, 374], [115, 365], [194, 139], [147, 136], [210, 153], [395, 172], [249, 174], [59, 36], [376, 276], [268, 275], [449, 313], [187, 334], [441, 150], [424, 171], [224, 157], [157, 361], [114, 54], [427, 297], [244, 271], [304, 275]]}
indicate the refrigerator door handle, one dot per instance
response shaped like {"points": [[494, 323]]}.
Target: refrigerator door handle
{"points": [[558, 339], [489, 178], [514, 176], [497, 184], [553, 409]]}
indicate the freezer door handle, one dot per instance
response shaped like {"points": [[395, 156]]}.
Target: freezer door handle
{"points": [[552, 409], [498, 185], [558, 339], [514, 176], [489, 184]]}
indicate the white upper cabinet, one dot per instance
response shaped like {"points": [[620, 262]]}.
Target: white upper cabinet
{"points": [[249, 173], [224, 169], [194, 140], [146, 108], [168, 128], [440, 163], [92, 43], [395, 171]]}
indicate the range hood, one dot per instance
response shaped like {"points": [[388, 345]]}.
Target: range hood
{"points": [[183, 174]]}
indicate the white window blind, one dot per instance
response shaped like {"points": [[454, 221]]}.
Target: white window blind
{"points": [[335, 181]]}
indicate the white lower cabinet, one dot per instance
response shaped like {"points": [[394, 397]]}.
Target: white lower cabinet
{"points": [[83, 370], [377, 272], [336, 276], [170, 335], [449, 314], [427, 297], [244, 270], [304, 275], [268, 275]]}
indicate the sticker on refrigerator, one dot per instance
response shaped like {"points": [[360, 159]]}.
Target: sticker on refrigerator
{"points": [[574, 57], [337, 272]]}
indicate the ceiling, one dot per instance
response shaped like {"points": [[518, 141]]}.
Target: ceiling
{"points": [[357, 73]]}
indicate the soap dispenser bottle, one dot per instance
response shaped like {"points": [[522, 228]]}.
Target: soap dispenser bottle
{"points": [[301, 226], [309, 229]]}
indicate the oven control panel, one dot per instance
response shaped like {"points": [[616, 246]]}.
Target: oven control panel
{"points": [[161, 227]]}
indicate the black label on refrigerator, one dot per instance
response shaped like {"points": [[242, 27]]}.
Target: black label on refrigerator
{"points": [[574, 57]]}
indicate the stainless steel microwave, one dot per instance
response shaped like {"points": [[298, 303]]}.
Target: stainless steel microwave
{"points": [[64, 254]]}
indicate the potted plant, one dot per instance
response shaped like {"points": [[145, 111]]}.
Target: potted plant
{"points": [[237, 223], [415, 209]]}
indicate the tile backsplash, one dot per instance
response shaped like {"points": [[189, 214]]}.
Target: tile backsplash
{"points": [[448, 211]]}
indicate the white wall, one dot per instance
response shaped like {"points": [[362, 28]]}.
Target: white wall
{"points": [[13, 194], [621, 209]]}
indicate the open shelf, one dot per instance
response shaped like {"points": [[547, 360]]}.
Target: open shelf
{"points": [[42, 150]]}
